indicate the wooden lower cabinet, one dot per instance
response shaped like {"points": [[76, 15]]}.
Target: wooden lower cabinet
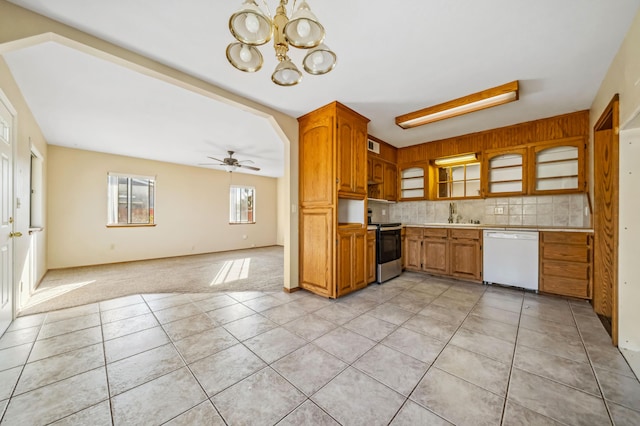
{"points": [[317, 245], [435, 255], [566, 263], [351, 260], [465, 250], [448, 252], [371, 256], [412, 249], [403, 254]]}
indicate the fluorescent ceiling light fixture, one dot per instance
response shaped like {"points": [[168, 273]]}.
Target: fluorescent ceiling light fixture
{"points": [[458, 159], [486, 99]]}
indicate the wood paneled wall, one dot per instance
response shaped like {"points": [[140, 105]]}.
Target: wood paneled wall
{"points": [[387, 152], [558, 127]]}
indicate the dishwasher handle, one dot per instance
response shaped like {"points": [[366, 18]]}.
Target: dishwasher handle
{"points": [[512, 235]]}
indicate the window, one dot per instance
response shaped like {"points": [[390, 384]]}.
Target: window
{"points": [[131, 199], [459, 181], [242, 201]]}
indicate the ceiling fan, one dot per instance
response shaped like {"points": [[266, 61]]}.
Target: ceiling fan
{"points": [[231, 163]]}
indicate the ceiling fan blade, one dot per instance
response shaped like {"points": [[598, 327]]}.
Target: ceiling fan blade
{"points": [[249, 167], [246, 161], [215, 159]]}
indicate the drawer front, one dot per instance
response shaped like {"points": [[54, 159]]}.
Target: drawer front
{"points": [[566, 252], [465, 234], [551, 268], [565, 287], [413, 232], [577, 238], [435, 232]]}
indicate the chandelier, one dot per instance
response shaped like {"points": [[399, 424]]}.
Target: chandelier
{"points": [[252, 27]]}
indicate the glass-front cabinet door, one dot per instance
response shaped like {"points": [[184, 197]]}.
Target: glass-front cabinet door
{"points": [[505, 172], [558, 167], [458, 181]]}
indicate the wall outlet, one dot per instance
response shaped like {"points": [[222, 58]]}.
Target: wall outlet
{"points": [[244, 237], [498, 210], [384, 212]]}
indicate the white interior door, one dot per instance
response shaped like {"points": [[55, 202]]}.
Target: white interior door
{"points": [[6, 219]]}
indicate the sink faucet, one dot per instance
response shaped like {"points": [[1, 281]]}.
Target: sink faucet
{"points": [[452, 211]]}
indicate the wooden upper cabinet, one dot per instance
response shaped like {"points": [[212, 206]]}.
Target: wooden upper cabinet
{"points": [[346, 177], [333, 155], [390, 182], [317, 153], [504, 172], [377, 172], [352, 154], [413, 182], [558, 166]]}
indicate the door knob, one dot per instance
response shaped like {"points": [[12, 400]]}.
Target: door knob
{"points": [[15, 234]]}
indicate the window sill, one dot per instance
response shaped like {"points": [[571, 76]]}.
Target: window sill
{"points": [[132, 225], [242, 223]]}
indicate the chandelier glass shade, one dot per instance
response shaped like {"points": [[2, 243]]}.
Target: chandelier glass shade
{"points": [[252, 27]]}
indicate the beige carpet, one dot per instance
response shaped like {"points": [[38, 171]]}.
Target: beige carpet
{"points": [[253, 269]]}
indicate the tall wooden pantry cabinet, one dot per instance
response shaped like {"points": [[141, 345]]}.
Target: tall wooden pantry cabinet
{"points": [[333, 191]]}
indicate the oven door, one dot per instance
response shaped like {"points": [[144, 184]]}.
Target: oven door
{"points": [[389, 245]]}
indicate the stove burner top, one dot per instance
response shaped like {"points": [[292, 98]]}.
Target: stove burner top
{"points": [[386, 225]]}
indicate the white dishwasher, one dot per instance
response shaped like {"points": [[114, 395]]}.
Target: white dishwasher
{"points": [[510, 258]]}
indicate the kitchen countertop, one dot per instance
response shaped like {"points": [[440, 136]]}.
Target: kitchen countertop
{"points": [[497, 227]]}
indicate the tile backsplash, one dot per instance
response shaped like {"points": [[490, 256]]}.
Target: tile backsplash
{"points": [[570, 210]]}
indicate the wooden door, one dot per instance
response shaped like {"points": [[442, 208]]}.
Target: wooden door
{"points": [[344, 263], [413, 253], [465, 259], [606, 227], [377, 174], [435, 255], [359, 146], [345, 158], [371, 256], [390, 182], [317, 244], [359, 256], [6, 217], [317, 176]]}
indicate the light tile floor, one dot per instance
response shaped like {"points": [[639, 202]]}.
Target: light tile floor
{"points": [[414, 351]]}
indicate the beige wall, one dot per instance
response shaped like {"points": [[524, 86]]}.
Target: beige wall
{"points": [[623, 78], [191, 210], [28, 136], [283, 211], [22, 28]]}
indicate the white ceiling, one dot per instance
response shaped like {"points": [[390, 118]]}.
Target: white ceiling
{"points": [[393, 58]]}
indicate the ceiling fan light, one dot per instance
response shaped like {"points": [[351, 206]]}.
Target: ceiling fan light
{"points": [[244, 57], [250, 25], [230, 167], [286, 74], [303, 29], [320, 60]]}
